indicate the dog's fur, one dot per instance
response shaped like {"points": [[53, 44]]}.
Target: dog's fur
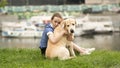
{"points": [[60, 49]]}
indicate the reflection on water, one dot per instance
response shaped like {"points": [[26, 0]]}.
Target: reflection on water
{"points": [[19, 43], [106, 42]]}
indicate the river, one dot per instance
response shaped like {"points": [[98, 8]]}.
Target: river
{"points": [[100, 42]]}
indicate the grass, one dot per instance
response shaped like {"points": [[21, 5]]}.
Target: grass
{"points": [[31, 58]]}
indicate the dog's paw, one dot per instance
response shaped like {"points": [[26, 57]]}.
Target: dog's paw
{"points": [[71, 57]]}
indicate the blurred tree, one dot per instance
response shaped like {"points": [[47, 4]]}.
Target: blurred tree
{"points": [[3, 3]]}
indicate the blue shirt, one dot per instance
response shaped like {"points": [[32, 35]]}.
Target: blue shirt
{"points": [[44, 39]]}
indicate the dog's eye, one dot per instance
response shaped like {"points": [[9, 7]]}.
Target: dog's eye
{"points": [[73, 24], [67, 25]]}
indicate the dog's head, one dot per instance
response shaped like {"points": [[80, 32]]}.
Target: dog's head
{"points": [[69, 25]]}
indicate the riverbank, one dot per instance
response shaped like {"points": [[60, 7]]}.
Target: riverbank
{"points": [[31, 58]]}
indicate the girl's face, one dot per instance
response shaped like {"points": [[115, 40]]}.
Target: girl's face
{"points": [[56, 21]]}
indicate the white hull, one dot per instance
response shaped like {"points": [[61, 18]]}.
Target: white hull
{"points": [[22, 34], [80, 32]]}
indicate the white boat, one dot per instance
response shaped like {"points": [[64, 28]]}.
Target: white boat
{"points": [[83, 27], [40, 19], [103, 24], [22, 30], [93, 24]]}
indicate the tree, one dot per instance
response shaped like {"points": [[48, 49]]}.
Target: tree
{"points": [[3, 3]]}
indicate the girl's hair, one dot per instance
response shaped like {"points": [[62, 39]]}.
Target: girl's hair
{"points": [[56, 15]]}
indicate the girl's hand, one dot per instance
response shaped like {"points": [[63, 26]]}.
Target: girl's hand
{"points": [[65, 32]]}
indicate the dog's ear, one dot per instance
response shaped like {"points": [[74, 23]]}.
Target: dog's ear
{"points": [[75, 21], [63, 23]]}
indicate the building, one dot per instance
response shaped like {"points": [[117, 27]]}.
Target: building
{"points": [[58, 2], [42, 2], [102, 1]]}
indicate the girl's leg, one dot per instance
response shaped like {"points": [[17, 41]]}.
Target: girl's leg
{"points": [[83, 51]]}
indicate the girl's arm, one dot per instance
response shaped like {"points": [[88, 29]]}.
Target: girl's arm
{"points": [[55, 38]]}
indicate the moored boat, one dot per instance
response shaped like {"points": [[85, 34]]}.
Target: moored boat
{"points": [[22, 30], [94, 24]]}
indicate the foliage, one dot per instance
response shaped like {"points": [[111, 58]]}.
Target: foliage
{"points": [[3, 3]]}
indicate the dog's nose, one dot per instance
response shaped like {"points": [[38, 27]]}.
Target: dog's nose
{"points": [[72, 31]]}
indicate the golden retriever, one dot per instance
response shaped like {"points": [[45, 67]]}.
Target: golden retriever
{"points": [[63, 49]]}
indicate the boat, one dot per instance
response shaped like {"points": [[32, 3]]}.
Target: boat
{"points": [[40, 19], [102, 24], [83, 27], [93, 25], [22, 30]]}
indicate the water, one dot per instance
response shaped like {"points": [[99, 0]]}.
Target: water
{"points": [[104, 42], [100, 42]]}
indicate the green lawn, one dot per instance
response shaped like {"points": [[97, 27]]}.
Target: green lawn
{"points": [[31, 58]]}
